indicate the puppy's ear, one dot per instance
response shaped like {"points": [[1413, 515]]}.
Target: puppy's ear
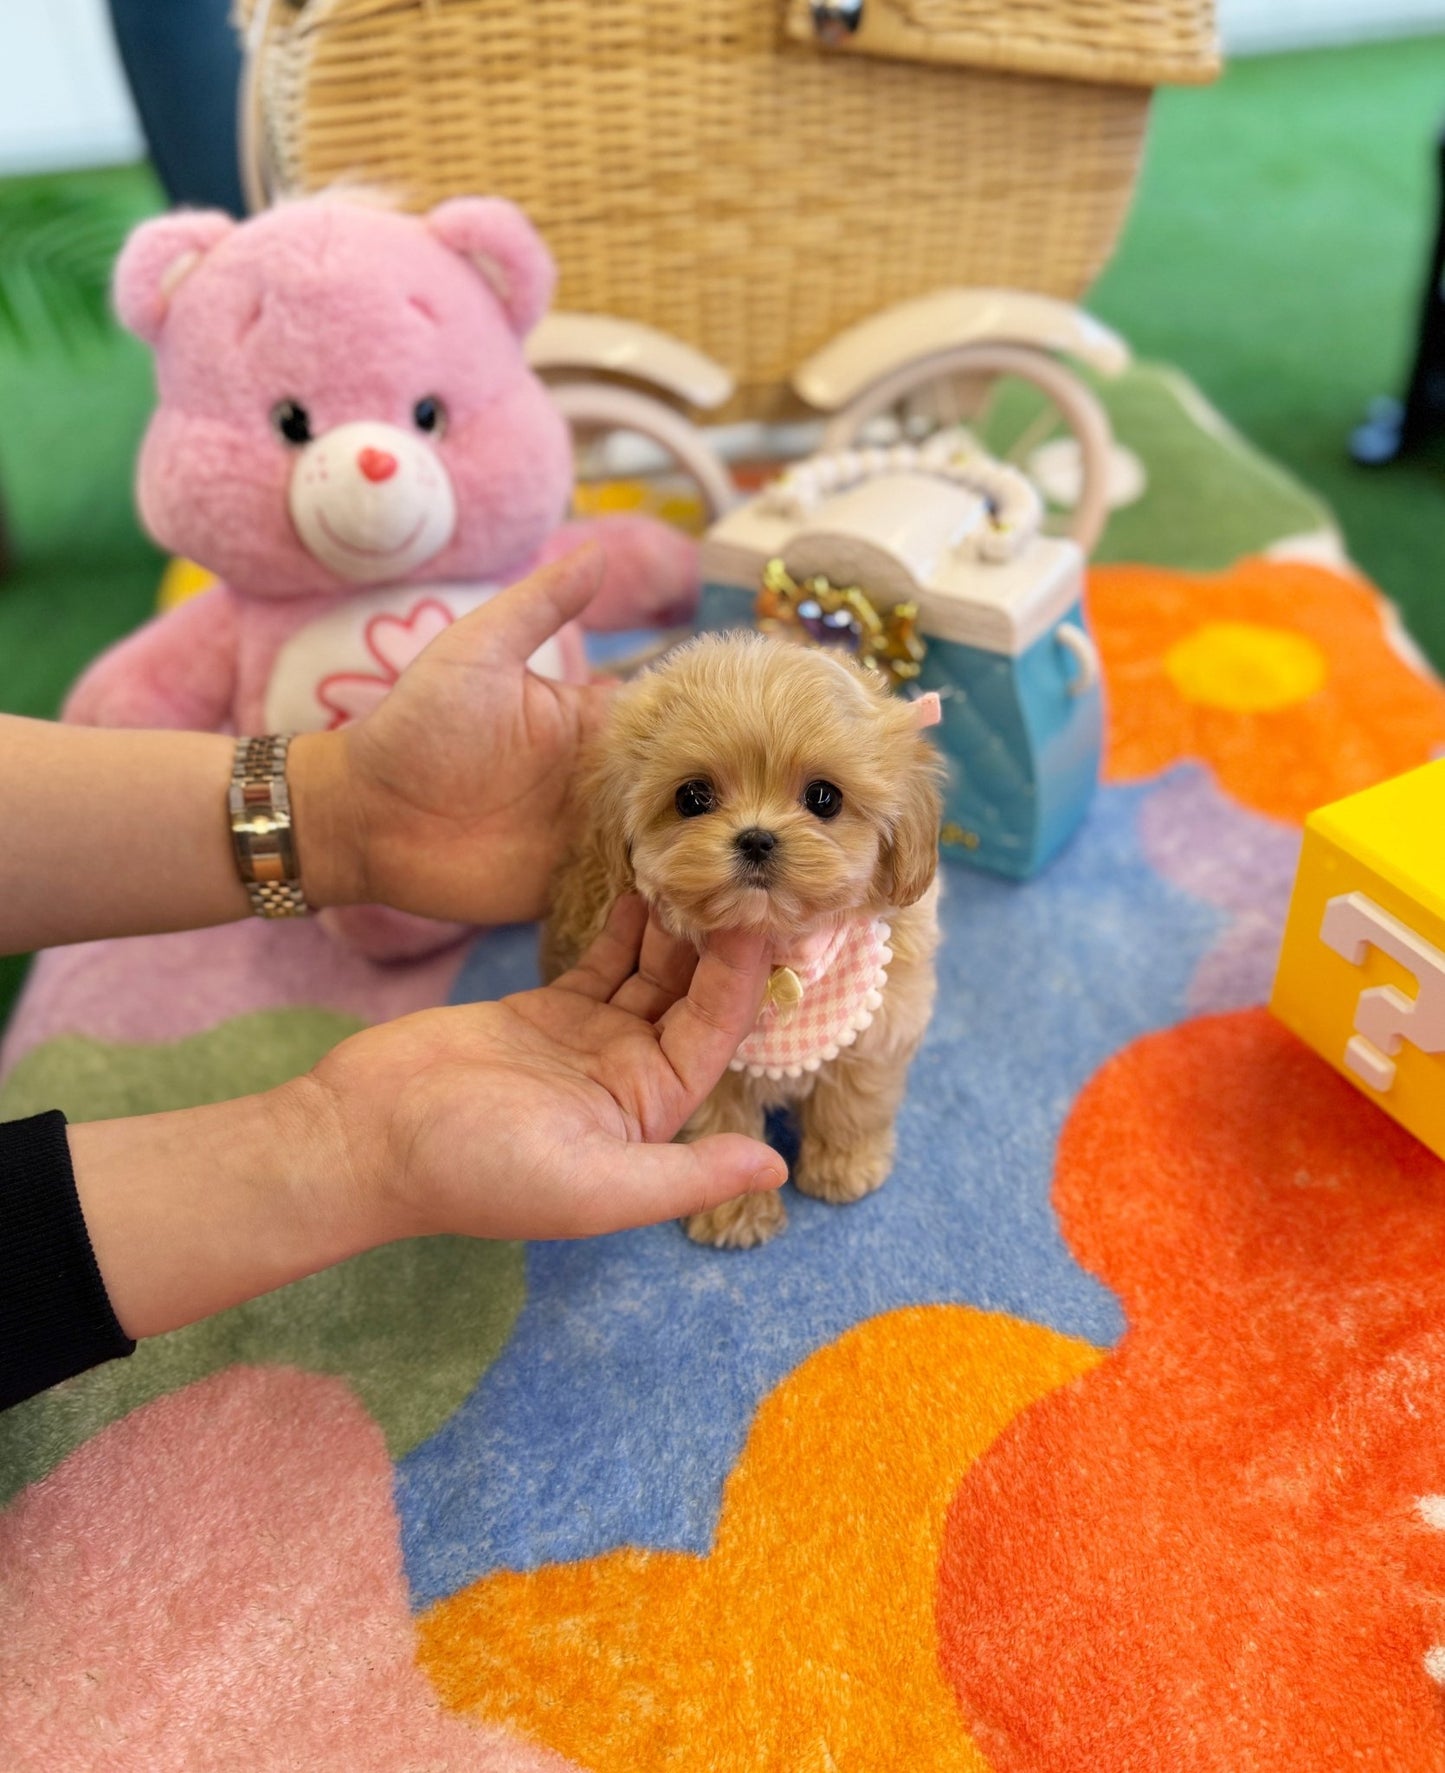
{"points": [[603, 805], [616, 762], [597, 869], [908, 858]]}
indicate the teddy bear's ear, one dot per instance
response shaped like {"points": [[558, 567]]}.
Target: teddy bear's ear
{"points": [[154, 260], [506, 249]]}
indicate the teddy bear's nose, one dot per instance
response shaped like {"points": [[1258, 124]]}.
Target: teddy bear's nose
{"points": [[376, 464]]}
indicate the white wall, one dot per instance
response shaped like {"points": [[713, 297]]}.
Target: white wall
{"points": [[63, 100], [1252, 26]]}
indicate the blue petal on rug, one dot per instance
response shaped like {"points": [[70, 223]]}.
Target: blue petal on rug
{"points": [[622, 1400]]}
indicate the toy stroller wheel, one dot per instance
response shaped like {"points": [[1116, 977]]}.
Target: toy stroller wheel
{"points": [[595, 409], [959, 385]]}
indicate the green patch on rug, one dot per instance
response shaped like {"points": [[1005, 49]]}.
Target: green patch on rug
{"points": [[1211, 497], [412, 1326], [1208, 497], [104, 1080]]}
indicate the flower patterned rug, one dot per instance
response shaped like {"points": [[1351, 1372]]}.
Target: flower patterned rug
{"points": [[1104, 1439]]}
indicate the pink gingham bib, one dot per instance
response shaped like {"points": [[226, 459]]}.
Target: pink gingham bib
{"points": [[842, 974]]}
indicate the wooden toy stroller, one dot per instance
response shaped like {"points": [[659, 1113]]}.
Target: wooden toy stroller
{"points": [[761, 180]]}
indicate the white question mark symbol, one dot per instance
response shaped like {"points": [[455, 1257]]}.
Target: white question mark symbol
{"points": [[1384, 1015]]}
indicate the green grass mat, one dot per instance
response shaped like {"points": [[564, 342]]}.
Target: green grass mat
{"points": [[1275, 253]]}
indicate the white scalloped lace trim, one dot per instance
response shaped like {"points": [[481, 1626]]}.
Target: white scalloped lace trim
{"points": [[861, 1012]]}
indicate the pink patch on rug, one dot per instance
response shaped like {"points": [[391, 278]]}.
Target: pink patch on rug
{"points": [[151, 988], [215, 1582], [1240, 861]]}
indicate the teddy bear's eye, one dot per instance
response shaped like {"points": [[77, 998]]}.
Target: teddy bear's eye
{"points": [[823, 800], [292, 421], [430, 415], [694, 798]]}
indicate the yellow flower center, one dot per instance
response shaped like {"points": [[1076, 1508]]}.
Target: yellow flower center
{"points": [[1245, 667]]}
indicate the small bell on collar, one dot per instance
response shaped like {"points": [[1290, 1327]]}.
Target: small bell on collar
{"points": [[784, 993]]}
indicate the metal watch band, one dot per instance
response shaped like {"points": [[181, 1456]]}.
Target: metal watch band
{"points": [[261, 834]]}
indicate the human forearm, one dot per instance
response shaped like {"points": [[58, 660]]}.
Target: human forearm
{"points": [[111, 833], [197, 1210], [108, 832], [549, 1114]]}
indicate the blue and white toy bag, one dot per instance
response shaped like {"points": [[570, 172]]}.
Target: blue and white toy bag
{"points": [[931, 561]]}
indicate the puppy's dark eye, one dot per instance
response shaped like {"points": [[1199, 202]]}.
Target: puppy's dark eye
{"points": [[823, 800], [292, 421], [430, 415], [693, 798]]}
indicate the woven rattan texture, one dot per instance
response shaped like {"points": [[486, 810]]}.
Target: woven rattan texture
{"points": [[694, 168], [1143, 42]]}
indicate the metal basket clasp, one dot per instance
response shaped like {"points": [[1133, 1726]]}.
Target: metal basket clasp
{"points": [[835, 21]]}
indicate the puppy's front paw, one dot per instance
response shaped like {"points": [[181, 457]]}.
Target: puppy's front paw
{"points": [[839, 1175], [739, 1224]]}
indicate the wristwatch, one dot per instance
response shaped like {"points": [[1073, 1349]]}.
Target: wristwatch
{"points": [[261, 834]]}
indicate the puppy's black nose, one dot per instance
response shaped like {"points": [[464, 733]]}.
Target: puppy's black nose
{"points": [[755, 843]]}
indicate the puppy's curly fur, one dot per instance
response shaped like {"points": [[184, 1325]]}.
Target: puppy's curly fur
{"points": [[755, 721]]}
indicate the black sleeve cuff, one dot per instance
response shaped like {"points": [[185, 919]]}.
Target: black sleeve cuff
{"points": [[55, 1314]]}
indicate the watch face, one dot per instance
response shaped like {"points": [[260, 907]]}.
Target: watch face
{"points": [[261, 836]]}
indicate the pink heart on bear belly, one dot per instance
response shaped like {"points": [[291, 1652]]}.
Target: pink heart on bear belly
{"points": [[393, 641]]}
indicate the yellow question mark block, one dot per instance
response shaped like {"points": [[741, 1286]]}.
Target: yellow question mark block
{"points": [[1362, 971]]}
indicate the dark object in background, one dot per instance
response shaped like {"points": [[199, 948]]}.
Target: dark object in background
{"points": [[183, 63], [1392, 428]]}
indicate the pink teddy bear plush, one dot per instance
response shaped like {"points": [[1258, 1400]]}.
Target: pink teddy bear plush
{"points": [[349, 437]]}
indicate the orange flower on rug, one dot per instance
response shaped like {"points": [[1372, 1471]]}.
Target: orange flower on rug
{"points": [[1224, 1550], [1276, 673], [805, 1641]]}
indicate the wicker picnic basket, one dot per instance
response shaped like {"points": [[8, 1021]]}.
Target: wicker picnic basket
{"points": [[718, 170]]}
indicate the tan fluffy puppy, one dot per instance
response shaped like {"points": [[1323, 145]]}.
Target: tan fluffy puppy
{"points": [[749, 782]]}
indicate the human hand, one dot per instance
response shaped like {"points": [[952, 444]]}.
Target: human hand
{"points": [[544, 1115], [449, 798], [547, 1114]]}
